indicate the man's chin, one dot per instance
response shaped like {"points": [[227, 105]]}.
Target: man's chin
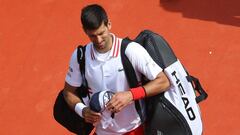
{"points": [[101, 46]]}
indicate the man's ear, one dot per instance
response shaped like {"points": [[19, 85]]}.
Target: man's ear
{"points": [[109, 25]]}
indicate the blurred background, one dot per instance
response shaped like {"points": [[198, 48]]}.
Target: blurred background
{"points": [[37, 38]]}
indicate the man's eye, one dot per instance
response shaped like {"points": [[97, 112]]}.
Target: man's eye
{"points": [[101, 34]]}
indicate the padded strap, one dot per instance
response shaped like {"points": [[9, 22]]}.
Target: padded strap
{"points": [[127, 65], [130, 74], [81, 61]]}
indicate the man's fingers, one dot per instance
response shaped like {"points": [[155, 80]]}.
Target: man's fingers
{"points": [[115, 104], [91, 116], [111, 104], [92, 119]]}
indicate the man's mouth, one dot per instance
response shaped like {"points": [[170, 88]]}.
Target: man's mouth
{"points": [[101, 45]]}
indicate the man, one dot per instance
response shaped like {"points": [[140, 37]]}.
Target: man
{"points": [[104, 72]]}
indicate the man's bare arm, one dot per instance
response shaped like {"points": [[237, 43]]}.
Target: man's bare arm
{"points": [[70, 95], [158, 85]]}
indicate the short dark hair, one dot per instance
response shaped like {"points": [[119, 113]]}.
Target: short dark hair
{"points": [[93, 16]]}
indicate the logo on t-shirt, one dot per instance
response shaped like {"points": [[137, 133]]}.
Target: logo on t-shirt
{"points": [[70, 70]]}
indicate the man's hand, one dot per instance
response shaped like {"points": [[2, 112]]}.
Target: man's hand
{"points": [[119, 101], [91, 116]]}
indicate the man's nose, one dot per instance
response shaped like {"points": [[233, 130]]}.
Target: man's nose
{"points": [[99, 39]]}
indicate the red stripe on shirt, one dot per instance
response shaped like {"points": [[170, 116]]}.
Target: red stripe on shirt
{"points": [[118, 44], [114, 46]]}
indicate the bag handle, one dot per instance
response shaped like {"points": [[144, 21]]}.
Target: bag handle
{"points": [[198, 87]]}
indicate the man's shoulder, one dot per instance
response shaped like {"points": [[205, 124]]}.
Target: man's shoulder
{"points": [[135, 51], [134, 46]]}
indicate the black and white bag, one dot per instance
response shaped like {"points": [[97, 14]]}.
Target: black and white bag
{"points": [[175, 111]]}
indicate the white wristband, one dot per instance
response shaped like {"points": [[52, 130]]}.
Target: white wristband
{"points": [[79, 108]]}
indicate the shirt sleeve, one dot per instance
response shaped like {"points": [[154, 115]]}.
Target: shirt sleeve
{"points": [[73, 76], [142, 62]]}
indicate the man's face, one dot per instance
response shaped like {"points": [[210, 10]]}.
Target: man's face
{"points": [[101, 37]]}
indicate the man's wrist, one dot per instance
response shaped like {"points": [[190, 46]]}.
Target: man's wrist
{"points": [[138, 92], [79, 109]]}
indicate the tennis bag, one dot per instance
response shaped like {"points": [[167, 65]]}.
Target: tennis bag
{"points": [[63, 114], [175, 111]]}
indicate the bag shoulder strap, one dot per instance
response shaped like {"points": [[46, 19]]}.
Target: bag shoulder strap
{"points": [[83, 89], [127, 65], [130, 74], [81, 62]]}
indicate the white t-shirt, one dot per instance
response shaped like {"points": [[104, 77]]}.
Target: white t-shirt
{"points": [[105, 72]]}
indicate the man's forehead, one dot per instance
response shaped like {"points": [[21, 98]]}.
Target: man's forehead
{"points": [[98, 31]]}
